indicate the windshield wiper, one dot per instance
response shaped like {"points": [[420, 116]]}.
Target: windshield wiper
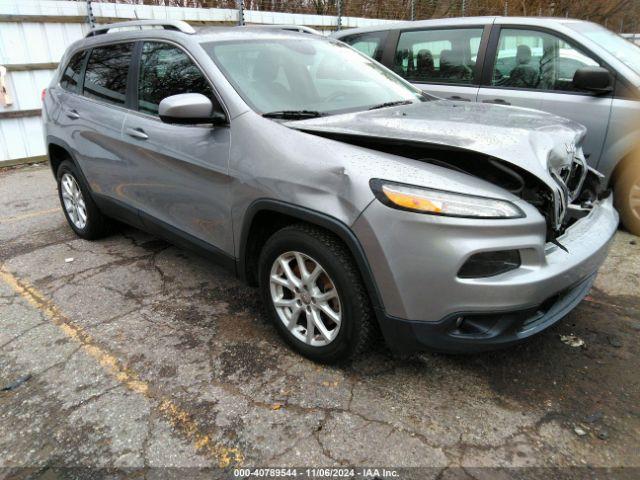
{"points": [[292, 114], [391, 104]]}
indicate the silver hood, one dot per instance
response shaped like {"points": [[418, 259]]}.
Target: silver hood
{"points": [[533, 140], [545, 145]]}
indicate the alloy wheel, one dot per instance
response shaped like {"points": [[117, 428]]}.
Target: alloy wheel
{"points": [[73, 200], [305, 298]]}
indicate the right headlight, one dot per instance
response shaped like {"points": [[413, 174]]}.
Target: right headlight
{"points": [[441, 202]]}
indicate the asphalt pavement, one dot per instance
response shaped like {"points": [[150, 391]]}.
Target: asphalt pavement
{"points": [[131, 355]]}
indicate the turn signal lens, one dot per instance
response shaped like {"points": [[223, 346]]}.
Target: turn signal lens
{"points": [[413, 202], [440, 202]]}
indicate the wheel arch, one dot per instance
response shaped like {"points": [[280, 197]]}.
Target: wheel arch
{"points": [[265, 216], [58, 151]]}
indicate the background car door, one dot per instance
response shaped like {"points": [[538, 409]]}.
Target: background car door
{"points": [[92, 122], [179, 173], [534, 68], [442, 62]]}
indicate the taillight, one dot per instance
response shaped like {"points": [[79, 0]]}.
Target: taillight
{"points": [[43, 94]]}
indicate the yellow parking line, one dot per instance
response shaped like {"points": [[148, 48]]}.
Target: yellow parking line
{"points": [[37, 213], [178, 417]]}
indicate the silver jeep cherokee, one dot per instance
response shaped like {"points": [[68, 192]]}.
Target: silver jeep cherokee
{"points": [[356, 202]]}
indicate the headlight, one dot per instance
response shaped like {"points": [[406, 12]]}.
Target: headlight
{"points": [[440, 202]]}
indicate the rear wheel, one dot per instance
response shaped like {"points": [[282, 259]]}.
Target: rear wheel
{"points": [[313, 292], [627, 195], [79, 208]]}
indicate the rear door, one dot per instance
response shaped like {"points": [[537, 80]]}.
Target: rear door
{"points": [[533, 67], [93, 111], [179, 176]]}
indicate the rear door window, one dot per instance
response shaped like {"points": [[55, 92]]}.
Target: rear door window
{"points": [[438, 56], [71, 75], [371, 44], [107, 73], [167, 70]]}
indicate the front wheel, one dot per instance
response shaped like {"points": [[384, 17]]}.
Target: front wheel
{"points": [[313, 293]]}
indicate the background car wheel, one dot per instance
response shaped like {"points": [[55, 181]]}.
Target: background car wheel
{"points": [[313, 292], [627, 195], [79, 208]]}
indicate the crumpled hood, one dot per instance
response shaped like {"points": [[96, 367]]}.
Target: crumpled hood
{"points": [[527, 138]]}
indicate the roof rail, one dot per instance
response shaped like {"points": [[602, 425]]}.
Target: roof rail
{"points": [[291, 28], [178, 25]]}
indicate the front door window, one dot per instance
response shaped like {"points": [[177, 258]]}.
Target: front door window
{"points": [[537, 60]]}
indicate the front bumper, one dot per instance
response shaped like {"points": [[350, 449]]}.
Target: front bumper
{"points": [[481, 332], [415, 259]]}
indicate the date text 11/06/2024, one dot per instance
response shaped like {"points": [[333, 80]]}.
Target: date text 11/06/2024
{"points": [[315, 473]]}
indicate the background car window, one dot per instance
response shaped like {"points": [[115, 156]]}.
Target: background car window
{"points": [[71, 75], [106, 74], [371, 44], [537, 60], [441, 56], [166, 70]]}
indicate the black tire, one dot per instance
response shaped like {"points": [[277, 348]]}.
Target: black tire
{"points": [[97, 225], [357, 329]]}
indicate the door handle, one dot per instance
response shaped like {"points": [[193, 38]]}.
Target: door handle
{"points": [[497, 101], [459, 99], [137, 133], [72, 114]]}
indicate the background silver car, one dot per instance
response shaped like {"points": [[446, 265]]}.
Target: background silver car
{"points": [[573, 68], [353, 200]]}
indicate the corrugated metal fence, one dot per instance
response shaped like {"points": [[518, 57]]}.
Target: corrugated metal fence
{"points": [[35, 33]]}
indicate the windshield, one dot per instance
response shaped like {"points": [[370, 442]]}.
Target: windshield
{"points": [[310, 75], [624, 50]]}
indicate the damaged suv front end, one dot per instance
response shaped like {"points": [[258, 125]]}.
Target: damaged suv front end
{"points": [[468, 266], [474, 226]]}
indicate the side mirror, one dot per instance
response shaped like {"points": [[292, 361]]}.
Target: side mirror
{"points": [[593, 79], [190, 109]]}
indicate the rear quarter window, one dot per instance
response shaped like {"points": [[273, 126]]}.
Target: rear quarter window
{"points": [[71, 75]]}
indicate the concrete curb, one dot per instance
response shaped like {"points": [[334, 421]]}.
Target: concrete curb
{"points": [[23, 161]]}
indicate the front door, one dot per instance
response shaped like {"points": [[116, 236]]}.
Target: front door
{"points": [[179, 176], [534, 68]]}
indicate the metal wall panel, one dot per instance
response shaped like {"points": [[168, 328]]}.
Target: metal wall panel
{"points": [[42, 8], [20, 138], [26, 89], [30, 42]]}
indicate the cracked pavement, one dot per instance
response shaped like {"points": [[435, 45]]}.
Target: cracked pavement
{"points": [[143, 355]]}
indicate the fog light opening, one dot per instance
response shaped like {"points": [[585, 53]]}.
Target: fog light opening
{"points": [[489, 264]]}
